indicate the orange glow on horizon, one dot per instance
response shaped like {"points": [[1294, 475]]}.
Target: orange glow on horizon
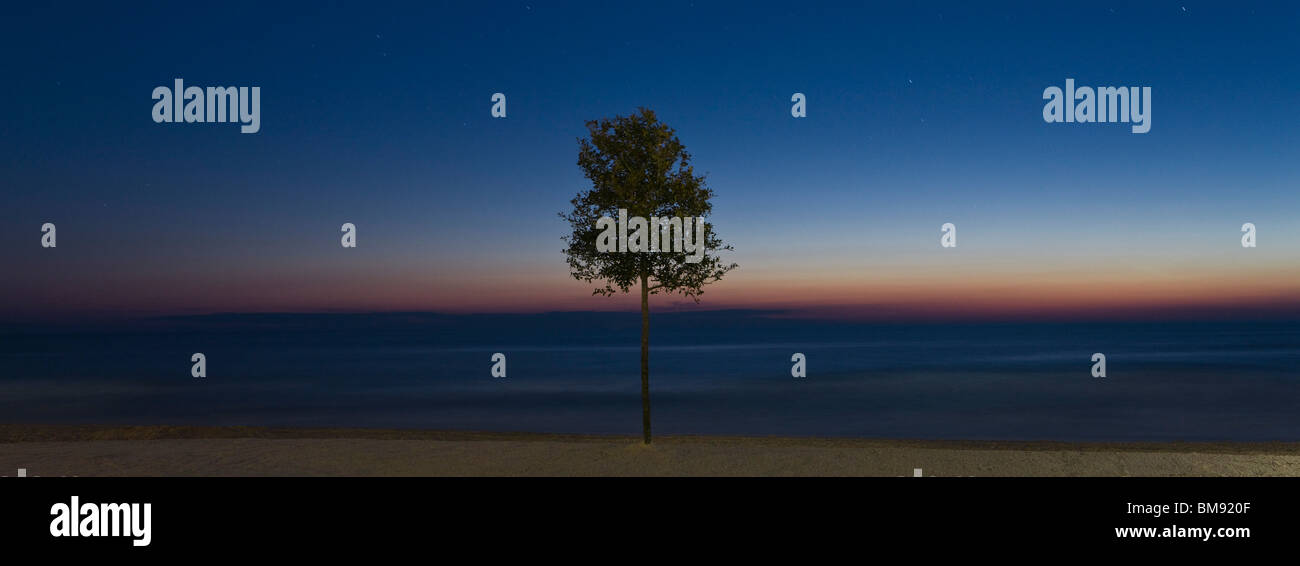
{"points": [[916, 293]]}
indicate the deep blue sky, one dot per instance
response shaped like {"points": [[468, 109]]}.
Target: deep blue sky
{"points": [[378, 114]]}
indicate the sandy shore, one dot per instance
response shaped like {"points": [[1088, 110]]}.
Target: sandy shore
{"points": [[243, 451]]}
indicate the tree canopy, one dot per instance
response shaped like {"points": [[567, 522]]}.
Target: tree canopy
{"points": [[637, 163]]}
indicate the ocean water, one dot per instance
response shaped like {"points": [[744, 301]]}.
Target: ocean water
{"points": [[723, 372]]}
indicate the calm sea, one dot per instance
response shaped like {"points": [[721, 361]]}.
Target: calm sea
{"points": [[725, 372]]}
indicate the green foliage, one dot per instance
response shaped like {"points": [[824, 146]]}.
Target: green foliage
{"points": [[636, 162]]}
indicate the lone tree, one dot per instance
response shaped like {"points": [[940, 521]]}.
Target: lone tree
{"points": [[637, 163]]}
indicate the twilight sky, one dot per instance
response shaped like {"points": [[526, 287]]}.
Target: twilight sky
{"points": [[917, 116]]}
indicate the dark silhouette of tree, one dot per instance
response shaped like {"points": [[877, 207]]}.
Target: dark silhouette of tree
{"points": [[637, 163]]}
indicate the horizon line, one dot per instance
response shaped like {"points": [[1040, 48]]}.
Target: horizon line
{"points": [[1289, 313]]}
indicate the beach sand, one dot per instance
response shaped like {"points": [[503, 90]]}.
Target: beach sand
{"points": [[249, 451]]}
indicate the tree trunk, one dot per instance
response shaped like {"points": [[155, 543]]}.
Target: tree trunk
{"points": [[645, 358]]}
